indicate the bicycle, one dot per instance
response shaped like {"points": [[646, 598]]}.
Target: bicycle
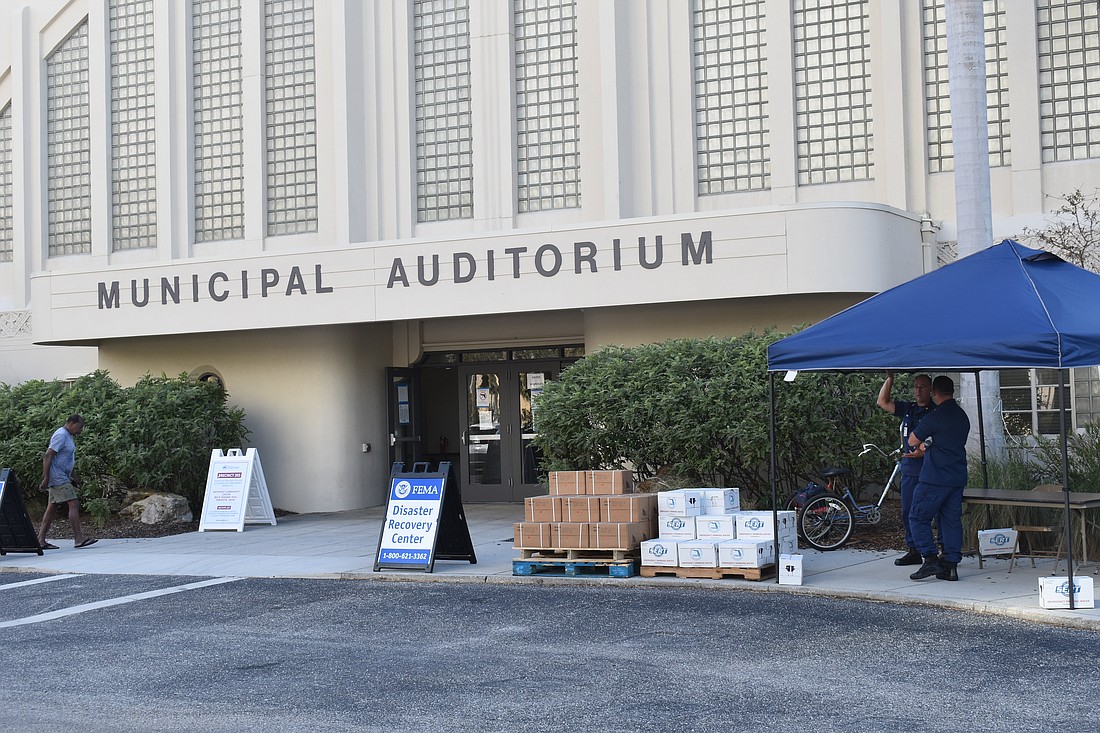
{"points": [[826, 520]]}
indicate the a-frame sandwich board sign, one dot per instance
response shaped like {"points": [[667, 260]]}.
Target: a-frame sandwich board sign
{"points": [[17, 533], [236, 492], [421, 510]]}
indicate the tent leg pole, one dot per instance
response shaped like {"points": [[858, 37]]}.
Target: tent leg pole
{"points": [[981, 428], [773, 470], [1062, 405]]}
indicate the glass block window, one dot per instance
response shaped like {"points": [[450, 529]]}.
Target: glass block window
{"points": [[68, 147], [291, 98], [7, 236], [833, 115], [133, 142], [1086, 395], [1031, 400], [547, 121], [444, 133], [218, 126], [1069, 79], [937, 93], [731, 96]]}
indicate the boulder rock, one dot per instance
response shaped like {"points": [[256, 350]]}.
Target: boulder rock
{"points": [[159, 509]]}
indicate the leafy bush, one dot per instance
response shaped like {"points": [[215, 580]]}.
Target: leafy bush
{"points": [[696, 411], [155, 436]]}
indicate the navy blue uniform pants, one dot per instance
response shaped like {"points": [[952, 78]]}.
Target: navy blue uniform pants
{"points": [[908, 486], [944, 504]]}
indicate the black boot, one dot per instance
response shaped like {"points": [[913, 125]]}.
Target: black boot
{"points": [[910, 558], [949, 570], [931, 566]]}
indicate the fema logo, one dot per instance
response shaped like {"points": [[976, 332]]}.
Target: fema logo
{"points": [[754, 523], [658, 551], [401, 491], [1063, 589], [676, 523]]}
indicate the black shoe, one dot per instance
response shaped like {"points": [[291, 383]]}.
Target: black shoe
{"points": [[948, 571], [910, 558], [931, 566]]}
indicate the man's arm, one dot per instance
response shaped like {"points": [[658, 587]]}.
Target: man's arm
{"points": [[884, 400], [47, 461]]}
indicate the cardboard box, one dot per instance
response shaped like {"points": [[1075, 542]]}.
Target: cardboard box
{"points": [[716, 527], [609, 482], [533, 535], [997, 541], [788, 546], [698, 554], [660, 553], [542, 509], [683, 502], [745, 553], [790, 569], [620, 535], [580, 508], [629, 508], [564, 483], [759, 525], [675, 527], [1054, 592], [570, 535], [721, 501]]}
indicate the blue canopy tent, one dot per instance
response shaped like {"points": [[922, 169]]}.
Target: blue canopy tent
{"points": [[1006, 307]]}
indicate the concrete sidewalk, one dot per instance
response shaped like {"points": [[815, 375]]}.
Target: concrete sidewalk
{"points": [[342, 545]]}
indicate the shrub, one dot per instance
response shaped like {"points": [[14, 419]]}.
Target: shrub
{"points": [[696, 410]]}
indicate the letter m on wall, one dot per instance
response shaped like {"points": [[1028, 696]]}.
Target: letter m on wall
{"points": [[108, 298]]}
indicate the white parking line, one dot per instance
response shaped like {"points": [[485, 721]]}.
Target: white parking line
{"points": [[36, 581], [73, 610]]}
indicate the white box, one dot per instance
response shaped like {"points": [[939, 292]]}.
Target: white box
{"points": [[745, 553], [683, 502], [759, 525], [788, 546], [715, 527], [790, 569], [675, 527], [996, 541], [698, 554], [661, 553], [1054, 592], [721, 501]]}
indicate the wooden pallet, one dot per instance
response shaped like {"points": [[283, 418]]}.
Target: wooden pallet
{"points": [[620, 555], [614, 569], [768, 571]]}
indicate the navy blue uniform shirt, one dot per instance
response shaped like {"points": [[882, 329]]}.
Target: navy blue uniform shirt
{"points": [[911, 414], [945, 461]]}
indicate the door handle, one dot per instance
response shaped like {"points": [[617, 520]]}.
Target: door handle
{"points": [[393, 440]]}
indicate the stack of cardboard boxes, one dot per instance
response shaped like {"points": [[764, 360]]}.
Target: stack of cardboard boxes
{"points": [[588, 510], [705, 528]]}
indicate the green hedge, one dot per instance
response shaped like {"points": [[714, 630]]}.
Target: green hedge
{"points": [[155, 436], [695, 411]]}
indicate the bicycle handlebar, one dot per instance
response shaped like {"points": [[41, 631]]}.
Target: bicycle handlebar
{"points": [[868, 447]]}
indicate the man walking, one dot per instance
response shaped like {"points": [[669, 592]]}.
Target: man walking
{"points": [[57, 469], [939, 492], [910, 414]]}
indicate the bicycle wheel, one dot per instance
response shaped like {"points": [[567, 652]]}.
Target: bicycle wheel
{"points": [[825, 522]]}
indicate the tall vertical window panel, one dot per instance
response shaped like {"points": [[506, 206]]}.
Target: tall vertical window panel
{"points": [[833, 113], [291, 112], [7, 227], [217, 120], [133, 138], [731, 96], [444, 131], [937, 95], [547, 118], [1069, 79], [68, 148]]}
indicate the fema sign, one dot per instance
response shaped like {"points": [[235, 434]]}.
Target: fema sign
{"points": [[411, 523]]}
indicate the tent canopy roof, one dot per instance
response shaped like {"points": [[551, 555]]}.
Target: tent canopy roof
{"points": [[1004, 307]]}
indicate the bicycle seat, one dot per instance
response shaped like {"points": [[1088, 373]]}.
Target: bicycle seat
{"points": [[833, 471]]}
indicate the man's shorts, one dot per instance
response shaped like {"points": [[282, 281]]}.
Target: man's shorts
{"points": [[62, 493]]}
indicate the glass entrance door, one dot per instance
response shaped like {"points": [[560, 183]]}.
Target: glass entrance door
{"points": [[499, 461]]}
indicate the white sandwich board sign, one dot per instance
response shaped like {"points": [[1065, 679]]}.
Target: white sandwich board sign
{"points": [[236, 492]]}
